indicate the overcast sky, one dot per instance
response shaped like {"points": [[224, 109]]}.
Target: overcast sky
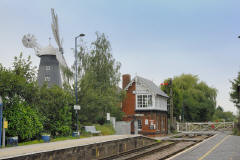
{"points": [[155, 39]]}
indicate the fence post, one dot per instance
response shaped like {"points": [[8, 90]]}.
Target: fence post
{"points": [[177, 127]]}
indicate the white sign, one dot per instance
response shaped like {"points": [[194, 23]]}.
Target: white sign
{"points": [[108, 116], [77, 107], [138, 115]]}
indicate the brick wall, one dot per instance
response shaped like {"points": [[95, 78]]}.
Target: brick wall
{"points": [[128, 105], [91, 151]]}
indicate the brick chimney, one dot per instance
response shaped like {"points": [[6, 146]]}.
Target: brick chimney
{"points": [[126, 79]]}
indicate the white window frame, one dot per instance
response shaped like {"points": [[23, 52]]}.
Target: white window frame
{"points": [[47, 78], [48, 68], [144, 101]]}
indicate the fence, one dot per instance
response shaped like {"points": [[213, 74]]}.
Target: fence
{"points": [[208, 126]]}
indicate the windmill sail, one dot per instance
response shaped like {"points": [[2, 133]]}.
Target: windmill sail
{"points": [[55, 30], [52, 61]]}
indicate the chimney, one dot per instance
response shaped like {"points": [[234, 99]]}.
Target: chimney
{"points": [[126, 78]]}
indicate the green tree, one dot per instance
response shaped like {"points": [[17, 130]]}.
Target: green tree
{"points": [[19, 91], [55, 106], [220, 115], [193, 98], [98, 92], [234, 93], [23, 121]]}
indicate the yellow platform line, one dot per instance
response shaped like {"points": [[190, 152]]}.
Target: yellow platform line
{"points": [[214, 147], [194, 146]]}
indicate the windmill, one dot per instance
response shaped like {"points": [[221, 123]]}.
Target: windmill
{"points": [[52, 61]]}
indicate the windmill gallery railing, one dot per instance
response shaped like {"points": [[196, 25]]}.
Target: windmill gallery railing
{"points": [[207, 126]]}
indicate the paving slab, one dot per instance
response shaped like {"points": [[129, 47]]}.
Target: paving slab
{"points": [[219, 147], [45, 147]]}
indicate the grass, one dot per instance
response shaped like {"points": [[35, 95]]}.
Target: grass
{"points": [[105, 129], [158, 141], [30, 142], [236, 132], [52, 140]]}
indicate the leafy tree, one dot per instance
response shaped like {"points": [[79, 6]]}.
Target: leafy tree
{"points": [[24, 68], [193, 98], [23, 121], [234, 93], [19, 91], [220, 115], [99, 93], [55, 106], [20, 80]]}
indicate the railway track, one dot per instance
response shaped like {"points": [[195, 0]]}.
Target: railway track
{"points": [[139, 152], [156, 151]]}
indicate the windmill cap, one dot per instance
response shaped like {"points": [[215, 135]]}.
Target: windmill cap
{"points": [[49, 50]]}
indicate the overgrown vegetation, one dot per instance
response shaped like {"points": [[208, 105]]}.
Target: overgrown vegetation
{"points": [[222, 116], [99, 76], [32, 110], [106, 129], [193, 99], [235, 98]]}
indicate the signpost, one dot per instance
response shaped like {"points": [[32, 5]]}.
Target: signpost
{"points": [[1, 110], [76, 108], [108, 116]]}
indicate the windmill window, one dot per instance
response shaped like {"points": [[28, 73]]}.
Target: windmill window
{"points": [[48, 68], [47, 78]]}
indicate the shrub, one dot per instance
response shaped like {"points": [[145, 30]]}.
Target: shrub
{"points": [[23, 121]]}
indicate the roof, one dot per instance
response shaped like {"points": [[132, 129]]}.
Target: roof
{"points": [[148, 84], [49, 50]]}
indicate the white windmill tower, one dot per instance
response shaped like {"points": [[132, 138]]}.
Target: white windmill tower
{"points": [[52, 60]]}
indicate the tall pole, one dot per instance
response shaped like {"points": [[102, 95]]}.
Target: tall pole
{"points": [[76, 69], [171, 103], [1, 126], [76, 75]]}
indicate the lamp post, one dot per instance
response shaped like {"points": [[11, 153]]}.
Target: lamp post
{"points": [[76, 74], [1, 113]]}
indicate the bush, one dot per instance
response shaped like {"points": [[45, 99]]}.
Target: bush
{"points": [[23, 121], [55, 107], [236, 132]]}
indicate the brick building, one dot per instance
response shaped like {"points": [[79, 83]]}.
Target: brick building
{"points": [[146, 105]]}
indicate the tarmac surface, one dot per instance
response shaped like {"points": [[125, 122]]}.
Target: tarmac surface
{"points": [[10, 152], [222, 146]]}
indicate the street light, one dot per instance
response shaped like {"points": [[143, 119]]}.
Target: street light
{"points": [[76, 74]]}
